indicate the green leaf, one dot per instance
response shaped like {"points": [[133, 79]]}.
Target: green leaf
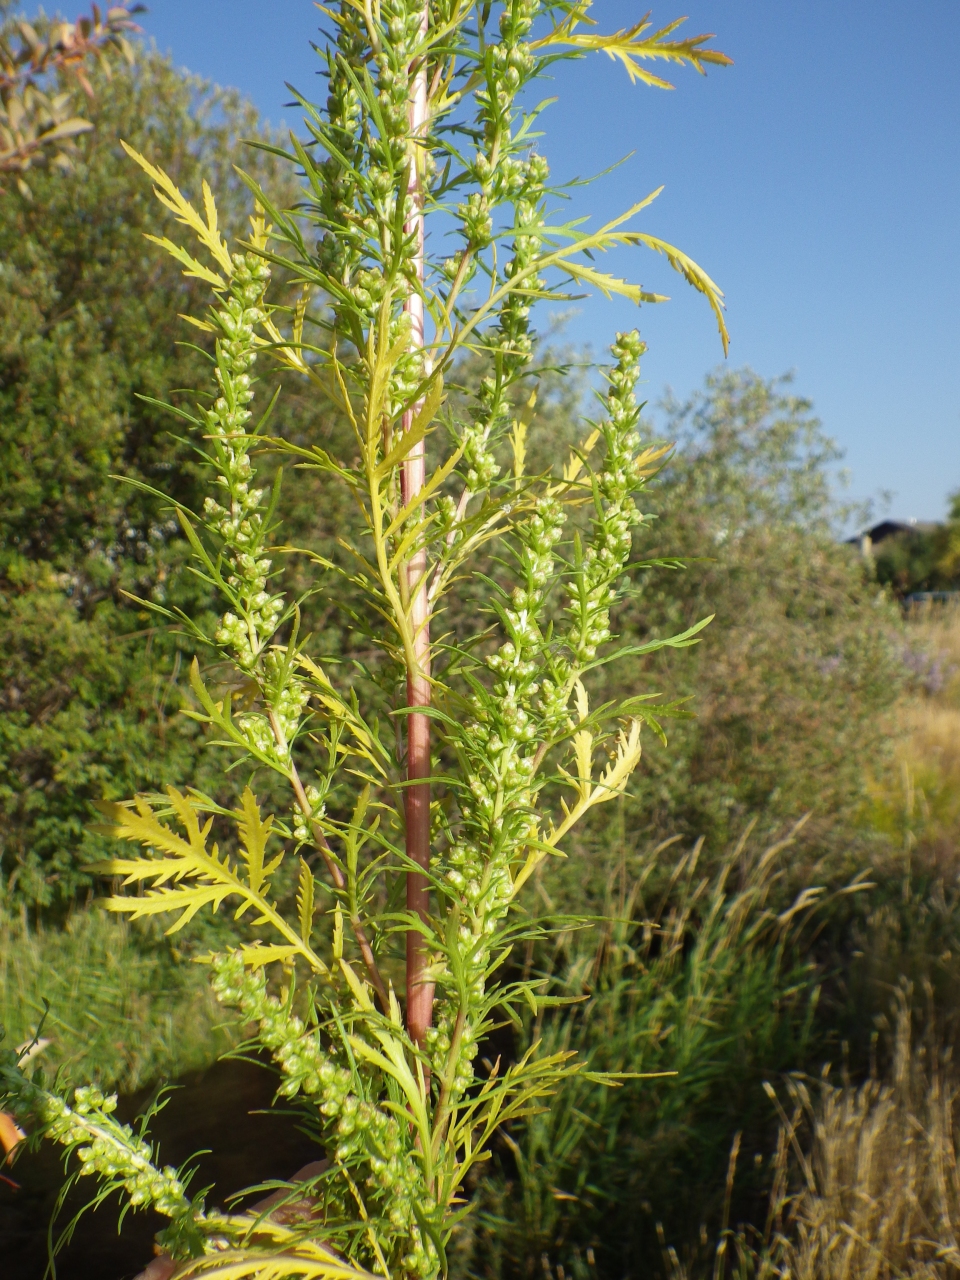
{"points": [[187, 874], [305, 901], [417, 430], [257, 954], [254, 834]]}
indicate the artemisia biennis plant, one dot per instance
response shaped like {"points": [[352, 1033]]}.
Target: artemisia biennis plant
{"points": [[416, 817]]}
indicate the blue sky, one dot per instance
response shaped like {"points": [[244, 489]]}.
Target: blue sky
{"points": [[817, 180]]}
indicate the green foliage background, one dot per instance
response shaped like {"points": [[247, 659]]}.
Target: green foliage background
{"points": [[88, 324], [922, 559], [795, 678], [89, 332]]}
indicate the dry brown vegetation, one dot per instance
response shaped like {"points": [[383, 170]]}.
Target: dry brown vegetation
{"points": [[924, 810], [866, 1183]]}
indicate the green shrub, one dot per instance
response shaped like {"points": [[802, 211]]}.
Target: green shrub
{"points": [[89, 324], [797, 678]]}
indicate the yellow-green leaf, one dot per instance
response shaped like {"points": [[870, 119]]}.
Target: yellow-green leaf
{"points": [[254, 834], [305, 900], [258, 954], [417, 430], [610, 285], [169, 194], [194, 268]]}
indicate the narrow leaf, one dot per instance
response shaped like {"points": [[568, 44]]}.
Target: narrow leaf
{"points": [[305, 901]]}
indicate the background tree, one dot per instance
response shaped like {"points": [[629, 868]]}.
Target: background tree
{"points": [[921, 559], [42, 65], [793, 684], [88, 328]]}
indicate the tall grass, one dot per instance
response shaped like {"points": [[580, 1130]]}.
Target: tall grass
{"points": [[694, 992], [909, 930], [866, 1180], [113, 1001]]}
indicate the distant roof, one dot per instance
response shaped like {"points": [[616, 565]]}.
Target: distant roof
{"points": [[891, 528]]}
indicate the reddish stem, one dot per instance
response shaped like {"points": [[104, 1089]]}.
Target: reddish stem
{"points": [[417, 797]]}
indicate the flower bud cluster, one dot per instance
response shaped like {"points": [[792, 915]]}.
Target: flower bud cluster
{"points": [[359, 1133], [301, 827], [286, 695], [356, 200], [617, 514], [392, 150], [111, 1150], [497, 813], [256, 728], [400, 22], [479, 462], [503, 176], [516, 341], [508, 65], [447, 522], [476, 220], [524, 704], [237, 515], [340, 249], [408, 372], [593, 589]]}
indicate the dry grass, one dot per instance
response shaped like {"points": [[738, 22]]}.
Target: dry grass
{"points": [[922, 808], [866, 1183], [866, 1179]]}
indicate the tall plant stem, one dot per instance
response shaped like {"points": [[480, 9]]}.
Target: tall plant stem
{"points": [[419, 992]]}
